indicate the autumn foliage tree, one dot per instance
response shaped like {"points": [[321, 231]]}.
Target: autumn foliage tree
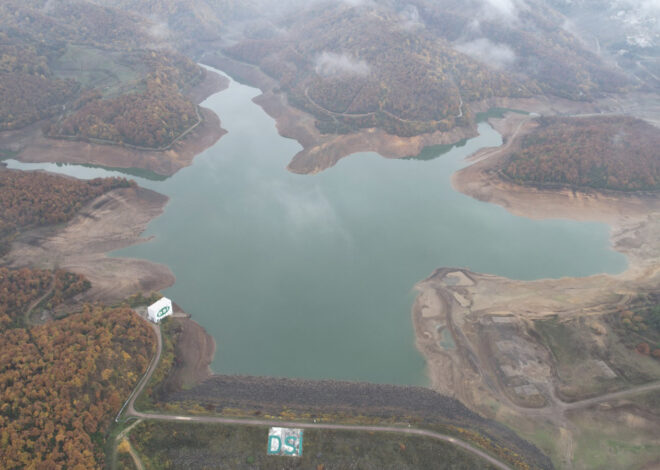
{"points": [[19, 288], [613, 152], [377, 74], [28, 89], [150, 118], [61, 383], [30, 199]]}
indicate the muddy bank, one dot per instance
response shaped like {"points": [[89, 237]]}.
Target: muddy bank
{"points": [[627, 213], [322, 151], [476, 331], [32, 146], [634, 220], [112, 221], [194, 352]]}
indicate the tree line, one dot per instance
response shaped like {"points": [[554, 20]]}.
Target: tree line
{"points": [[61, 383], [151, 112], [19, 288], [29, 199], [613, 152]]}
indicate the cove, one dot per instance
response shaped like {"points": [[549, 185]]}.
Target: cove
{"points": [[311, 276]]}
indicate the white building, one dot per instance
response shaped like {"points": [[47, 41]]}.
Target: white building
{"points": [[159, 310]]}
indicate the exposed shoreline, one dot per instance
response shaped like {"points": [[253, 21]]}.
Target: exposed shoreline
{"points": [[324, 151], [110, 222], [116, 220], [481, 313], [33, 147]]}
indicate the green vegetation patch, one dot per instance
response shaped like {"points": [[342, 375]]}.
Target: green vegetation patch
{"points": [[600, 444], [176, 445], [591, 357], [434, 151], [109, 71], [497, 113]]}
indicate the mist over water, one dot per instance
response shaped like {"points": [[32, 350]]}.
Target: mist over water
{"points": [[312, 276]]}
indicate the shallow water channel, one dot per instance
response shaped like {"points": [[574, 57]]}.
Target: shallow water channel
{"points": [[312, 276]]}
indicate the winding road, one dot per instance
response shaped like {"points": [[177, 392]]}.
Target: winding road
{"points": [[33, 305]]}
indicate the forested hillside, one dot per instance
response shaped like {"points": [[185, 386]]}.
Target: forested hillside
{"points": [[61, 384], [30, 199], [189, 24], [152, 117], [353, 68], [28, 89], [22, 287], [530, 39], [51, 66], [613, 152], [414, 67]]}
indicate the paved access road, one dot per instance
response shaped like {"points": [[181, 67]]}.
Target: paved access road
{"points": [[129, 411]]}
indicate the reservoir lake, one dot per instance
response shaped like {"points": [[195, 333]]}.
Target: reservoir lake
{"points": [[312, 276]]}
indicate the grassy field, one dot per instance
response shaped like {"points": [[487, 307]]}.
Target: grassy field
{"points": [[600, 444], [589, 363], [108, 71], [199, 446]]}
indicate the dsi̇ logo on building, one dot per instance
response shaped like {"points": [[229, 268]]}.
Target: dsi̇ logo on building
{"points": [[163, 311], [285, 441]]}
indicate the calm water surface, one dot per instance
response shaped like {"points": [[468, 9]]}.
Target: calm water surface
{"points": [[312, 276]]}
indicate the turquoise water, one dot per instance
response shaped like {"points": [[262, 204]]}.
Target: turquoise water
{"points": [[312, 276]]}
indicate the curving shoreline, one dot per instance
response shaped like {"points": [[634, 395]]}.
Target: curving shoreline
{"points": [[33, 147], [484, 313], [321, 151]]}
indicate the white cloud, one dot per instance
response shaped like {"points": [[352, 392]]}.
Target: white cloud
{"points": [[329, 64], [410, 17], [357, 3], [502, 10], [159, 31], [496, 55]]}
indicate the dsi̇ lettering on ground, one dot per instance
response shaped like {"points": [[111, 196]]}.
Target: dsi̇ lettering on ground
{"points": [[285, 441]]}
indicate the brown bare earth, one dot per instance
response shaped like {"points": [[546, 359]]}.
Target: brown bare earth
{"points": [[324, 151], [501, 346], [112, 221], [32, 146], [194, 352]]}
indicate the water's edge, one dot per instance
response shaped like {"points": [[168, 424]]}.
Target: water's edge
{"points": [[311, 276]]}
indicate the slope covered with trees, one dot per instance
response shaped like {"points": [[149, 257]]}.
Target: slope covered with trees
{"points": [[61, 383], [20, 288], [530, 39], [28, 89], [414, 67], [152, 117], [354, 68], [148, 110], [29, 199], [612, 152]]}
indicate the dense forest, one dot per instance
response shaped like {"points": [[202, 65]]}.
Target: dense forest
{"points": [[414, 67], [29, 199], [20, 288], [189, 23], [61, 383], [613, 152], [353, 70], [150, 109], [150, 118], [28, 89], [532, 42], [81, 22]]}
